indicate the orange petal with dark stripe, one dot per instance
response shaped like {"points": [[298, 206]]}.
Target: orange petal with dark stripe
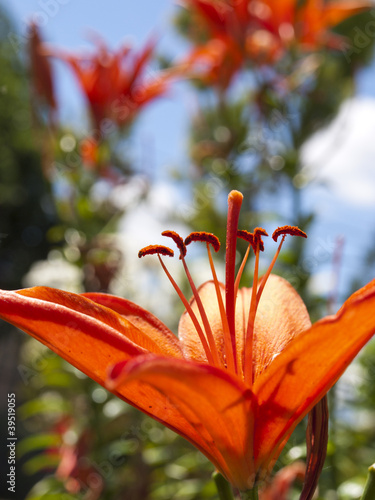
{"points": [[306, 369], [91, 337], [216, 405], [146, 322]]}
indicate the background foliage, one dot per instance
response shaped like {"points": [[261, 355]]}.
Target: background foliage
{"points": [[63, 199]]}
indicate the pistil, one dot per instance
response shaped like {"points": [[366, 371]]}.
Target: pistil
{"points": [[234, 206]]}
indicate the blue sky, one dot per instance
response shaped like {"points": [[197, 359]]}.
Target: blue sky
{"points": [[67, 23]]}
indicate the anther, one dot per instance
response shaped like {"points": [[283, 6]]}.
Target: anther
{"points": [[261, 244], [254, 239], [177, 239], [205, 237], [245, 235], [257, 237], [155, 249], [259, 231], [292, 230]]}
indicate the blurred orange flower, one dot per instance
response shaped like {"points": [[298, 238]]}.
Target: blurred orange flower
{"points": [[89, 150], [246, 367], [241, 32], [309, 24], [114, 82]]}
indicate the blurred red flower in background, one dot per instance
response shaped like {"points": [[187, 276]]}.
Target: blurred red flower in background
{"points": [[114, 82], [259, 31]]}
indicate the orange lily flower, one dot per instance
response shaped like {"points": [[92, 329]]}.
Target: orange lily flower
{"points": [[246, 366], [310, 23], [260, 31], [217, 62], [114, 82]]}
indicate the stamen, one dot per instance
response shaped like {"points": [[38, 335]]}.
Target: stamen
{"points": [[249, 237], [248, 341], [292, 230], [155, 249], [206, 323], [211, 340], [240, 271], [224, 320], [258, 233], [190, 311], [256, 294], [205, 237], [284, 231], [210, 238], [234, 206], [177, 239], [246, 235], [253, 238]]}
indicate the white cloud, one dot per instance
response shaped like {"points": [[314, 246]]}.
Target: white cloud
{"points": [[343, 155]]}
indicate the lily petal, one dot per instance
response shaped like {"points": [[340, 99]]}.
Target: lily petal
{"points": [[89, 336], [142, 319], [280, 12], [281, 316], [337, 11], [306, 369], [216, 405]]}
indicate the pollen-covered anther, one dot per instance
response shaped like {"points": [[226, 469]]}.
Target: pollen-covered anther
{"points": [[255, 240], [205, 237], [245, 235], [177, 239], [292, 230], [155, 249], [258, 242], [259, 231]]}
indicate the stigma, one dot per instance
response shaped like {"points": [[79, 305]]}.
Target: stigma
{"points": [[240, 364]]}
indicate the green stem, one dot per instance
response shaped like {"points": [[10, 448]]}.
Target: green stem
{"points": [[250, 494], [223, 487], [369, 491]]}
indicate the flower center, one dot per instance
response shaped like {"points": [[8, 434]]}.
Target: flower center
{"points": [[232, 281]]}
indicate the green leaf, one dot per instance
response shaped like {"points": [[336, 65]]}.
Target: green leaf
{"points": [[41, 462], [38, 442], [48, 405]]}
